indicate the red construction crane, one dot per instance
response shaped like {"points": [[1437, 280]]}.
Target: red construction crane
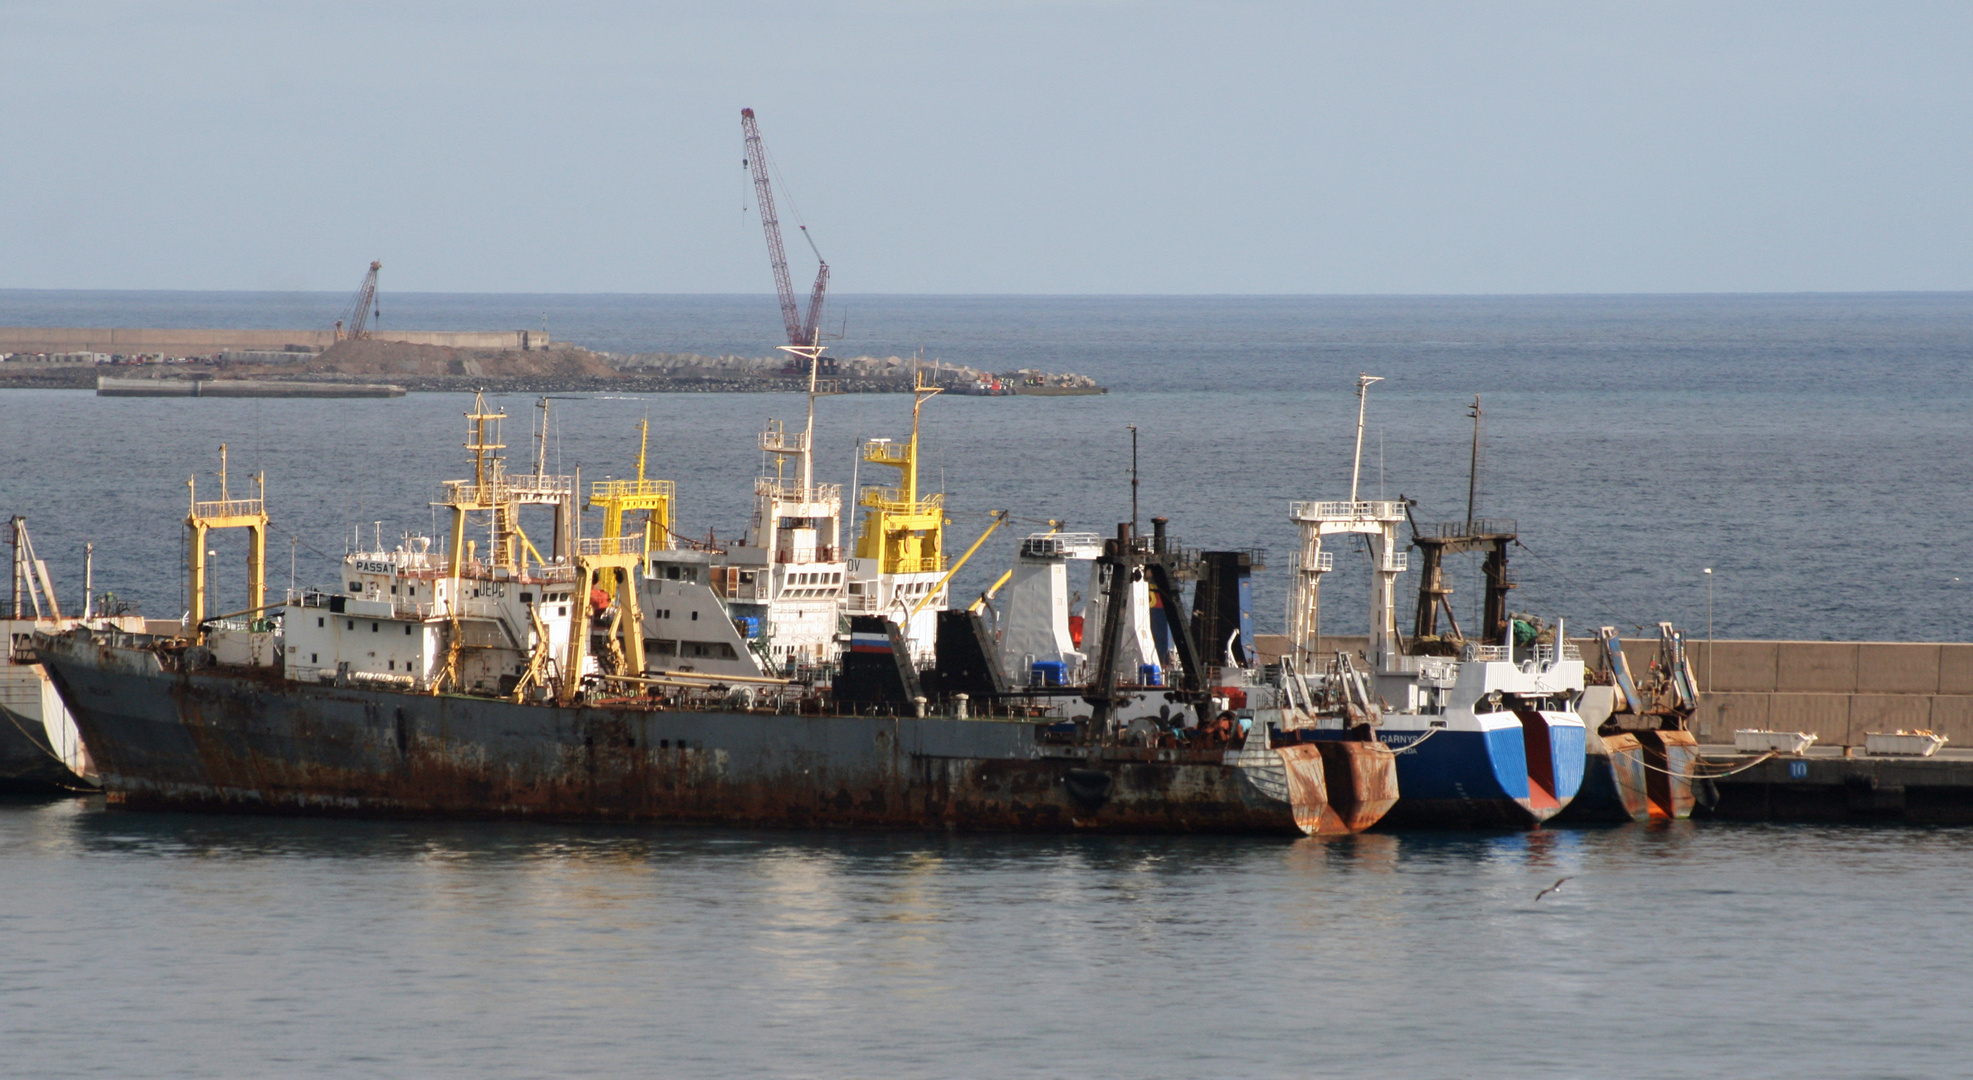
{"points": [[800, 331], [354, 325]]}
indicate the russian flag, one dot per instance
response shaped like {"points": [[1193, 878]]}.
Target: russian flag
{"points": [[870, 643]]}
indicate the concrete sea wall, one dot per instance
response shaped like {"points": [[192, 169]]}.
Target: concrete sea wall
{"points": [[1835, 690], [129, 342]]}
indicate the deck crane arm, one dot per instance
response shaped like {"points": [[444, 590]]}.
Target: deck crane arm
{"points": [[800, 332], [354, 325], [999, 519]]}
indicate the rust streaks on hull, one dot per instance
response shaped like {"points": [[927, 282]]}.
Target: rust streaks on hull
{"points": [[206, 741], [1363, 781]]}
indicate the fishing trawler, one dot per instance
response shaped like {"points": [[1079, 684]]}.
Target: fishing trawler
{"points": [[489, 675], [1489, 736], [1643, 761], [1146, 668]]}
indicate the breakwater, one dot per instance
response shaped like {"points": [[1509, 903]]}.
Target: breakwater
{"points": [[128, 341], [107, 386]]}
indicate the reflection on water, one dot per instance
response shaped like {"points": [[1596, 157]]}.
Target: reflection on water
{"points": [[248, 946]]}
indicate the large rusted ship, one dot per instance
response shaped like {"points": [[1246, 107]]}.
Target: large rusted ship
{"points": [[513, 680]]}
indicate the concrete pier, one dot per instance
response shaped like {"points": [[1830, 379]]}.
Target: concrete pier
{"points": [[1830, 784]]}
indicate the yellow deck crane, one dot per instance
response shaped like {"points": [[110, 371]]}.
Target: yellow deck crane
{"points": [[999, 519]]}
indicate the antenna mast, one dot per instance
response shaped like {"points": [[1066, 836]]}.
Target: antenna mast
{"points": [[1356, 468], [1133, 479], [1473, 468]]}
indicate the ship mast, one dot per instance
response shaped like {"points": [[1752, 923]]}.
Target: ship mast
{"points": [[1362, 398]]}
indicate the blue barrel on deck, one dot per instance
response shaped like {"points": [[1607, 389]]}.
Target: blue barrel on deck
{"points": [[748, 625], [1150, 675], [1048, 673]]}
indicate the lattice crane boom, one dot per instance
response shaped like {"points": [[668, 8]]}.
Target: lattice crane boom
{"points": [[355, 323], [800, 331]]}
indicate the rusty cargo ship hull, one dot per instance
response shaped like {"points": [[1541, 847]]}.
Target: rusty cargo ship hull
{"points": [[249, 741]]}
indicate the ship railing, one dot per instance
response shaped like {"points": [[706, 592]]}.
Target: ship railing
{"points": [[885, 452], [611, 545], [809, 555], [1397, 562], [930, 564], [1062, 546], [530, 484], [479, 570], [505, 489], [1322, 562], [862, 602], [1487, 652], [229, 508], [1378, 510], [776, 440], [894, 497], [792, 491], [603, 490], [1545, 654], [1457, 530]]}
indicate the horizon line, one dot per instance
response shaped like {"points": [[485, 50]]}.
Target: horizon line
{"points": [[1040, 295]]}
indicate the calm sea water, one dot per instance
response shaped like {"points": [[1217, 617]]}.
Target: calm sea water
{"points": [[167, 945], [1811, 450]]}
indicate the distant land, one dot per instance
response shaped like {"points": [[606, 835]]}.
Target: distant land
{"points": [[536, 365]]}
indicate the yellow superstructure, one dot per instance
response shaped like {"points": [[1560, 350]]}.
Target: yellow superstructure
{"points": [[653, 498], [903, 531]]}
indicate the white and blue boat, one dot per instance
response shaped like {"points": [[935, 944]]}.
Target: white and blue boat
{"points": [[1489, 737]]}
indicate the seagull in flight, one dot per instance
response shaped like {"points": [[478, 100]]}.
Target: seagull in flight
{"points": [[1553, 888]]}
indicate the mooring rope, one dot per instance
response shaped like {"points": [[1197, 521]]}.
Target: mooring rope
{"points": [[52, 756], [1695, 775]]}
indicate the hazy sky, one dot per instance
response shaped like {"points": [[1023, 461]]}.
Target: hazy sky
{"points": [[1038, 147]]}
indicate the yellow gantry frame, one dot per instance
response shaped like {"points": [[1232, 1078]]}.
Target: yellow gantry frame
{"points": [[905, 533], [613, 565], [654, 498], [228, 513]]}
